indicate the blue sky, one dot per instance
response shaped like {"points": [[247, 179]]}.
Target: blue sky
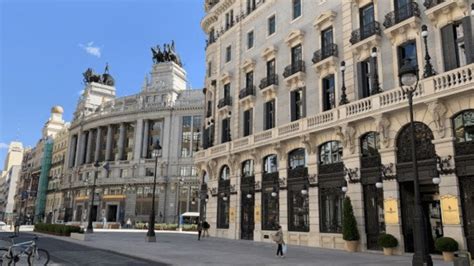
{"points": [[46, 45]]}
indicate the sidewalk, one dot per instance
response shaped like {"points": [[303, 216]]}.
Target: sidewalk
{"points": [[184, 249]]}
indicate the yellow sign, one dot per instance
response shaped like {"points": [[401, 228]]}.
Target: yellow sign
{"points": [[390, 207], [113, 197], [450, 209], [257, 214], [232, 215]]}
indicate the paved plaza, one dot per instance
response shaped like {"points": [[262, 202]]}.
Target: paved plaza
{"points": [[184, 249]]}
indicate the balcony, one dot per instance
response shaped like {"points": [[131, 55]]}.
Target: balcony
{"points": [[458, 81], [365, 38], [225, 104], [325, 58], [441, 12], [402, 23], [247, 97], [294, 74], [268, 86]]}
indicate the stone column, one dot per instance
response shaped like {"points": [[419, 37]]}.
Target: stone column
{"points": [[145, 138], [89, 144], [138, 140], [121, 141], [283, 195], [449, 191], [97, 144], [313, 197], [78, 145], [108, 147], [257, 231]]}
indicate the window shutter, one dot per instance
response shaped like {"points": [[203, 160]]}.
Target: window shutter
{"points": [[468, 38], [293, 106], [303, 101], [360, 79], [250, 121], [449, 47]]}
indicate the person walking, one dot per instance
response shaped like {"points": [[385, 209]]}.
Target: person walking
{"points": [[199, 228], [278, 238], [205, 226], [129, 223], [17, 226]]}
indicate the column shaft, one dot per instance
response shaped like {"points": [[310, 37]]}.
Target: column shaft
{"points": [[145, 138], [97, 144], [108, 147]]}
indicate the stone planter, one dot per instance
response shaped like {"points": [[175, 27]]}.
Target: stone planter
{"points": [[352, 246], [448, 256], [82, 237], [388, 251]]}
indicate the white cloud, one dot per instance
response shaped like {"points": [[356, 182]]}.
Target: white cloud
{"points": [[91, 49], [3, 145]]}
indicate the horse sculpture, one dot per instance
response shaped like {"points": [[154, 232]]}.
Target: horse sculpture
{"points": [[168, 55]]}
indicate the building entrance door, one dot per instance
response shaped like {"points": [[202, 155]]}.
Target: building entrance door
{"points": [[247, 214], [94, 213], [374, 216], [431, 211], [112, 213], [467, 202]]}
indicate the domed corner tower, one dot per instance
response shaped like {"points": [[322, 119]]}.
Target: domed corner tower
{"points": [[98, 90]]}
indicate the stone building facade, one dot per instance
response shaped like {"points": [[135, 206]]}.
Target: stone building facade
{"points": [[303, 99], [8, 181], [120, 134]]}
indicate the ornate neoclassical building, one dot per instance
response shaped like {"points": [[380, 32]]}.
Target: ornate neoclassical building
{"points": [[303, 98], [122, 132]]}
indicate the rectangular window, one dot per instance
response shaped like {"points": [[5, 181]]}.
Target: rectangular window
{"points": [[330, 204], [270, 114], [223, 212], [296, 8], [229, 19], [367, 21], [271, 69], [249, 79], [270, 208], [154, 134], [149, 171], [458, 44], [248, 122], [228, 53], [298, 209], [250, 39], [251, 5], [227, 90], [297, 104], [296, 55], [271, 25], [329, 101], [209, 69], [225, 130], [197, 124], [364, 76], [327, 42], [186, 136], [407, 54]]}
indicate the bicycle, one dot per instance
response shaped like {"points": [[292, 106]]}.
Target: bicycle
{"points": [[12, 254]]}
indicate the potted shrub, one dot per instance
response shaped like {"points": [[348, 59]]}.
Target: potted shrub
{"points": [[388, 242], [350, 233], [448, 246]]}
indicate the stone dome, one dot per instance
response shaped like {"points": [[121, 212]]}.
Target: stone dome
{"points": [[57, 109]]}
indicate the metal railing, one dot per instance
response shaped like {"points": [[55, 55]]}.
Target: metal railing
{"points": [[365, 32], [431, 3], [268, 81], [247, 92], [401, 14], [325, 52], [297, 66], [226, 101]]}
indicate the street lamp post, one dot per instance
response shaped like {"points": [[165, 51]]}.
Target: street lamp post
{"points": [[150, 235], [409, 82], [343, 88], [375, 75], [90, 228], [429, 71]]}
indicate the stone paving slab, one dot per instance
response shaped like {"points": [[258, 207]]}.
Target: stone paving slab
{"points": [[185, 249]]}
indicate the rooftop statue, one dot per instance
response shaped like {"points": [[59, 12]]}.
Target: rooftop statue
{"points": [[167, 55], [106, 79]]}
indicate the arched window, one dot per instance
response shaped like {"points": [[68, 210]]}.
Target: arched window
{"points": [[370, 144], [270, 164], [296, 159], [225, 173], [247, 168], [330, 152], [424, 147], [464, 126]]}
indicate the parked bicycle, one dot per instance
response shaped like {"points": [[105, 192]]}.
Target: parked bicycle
{"points": [[13, 254]]}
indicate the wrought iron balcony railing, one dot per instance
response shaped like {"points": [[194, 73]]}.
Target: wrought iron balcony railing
{"points": [[246, 92], [268, 81], [431, 3], [401, 14], [296, 67], [325, 52], [365, 32], [226, 101]]}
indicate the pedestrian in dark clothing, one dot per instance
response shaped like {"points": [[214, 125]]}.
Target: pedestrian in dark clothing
{"points": [[199, 228], [278, 238], [205, 226], [17, 226]]}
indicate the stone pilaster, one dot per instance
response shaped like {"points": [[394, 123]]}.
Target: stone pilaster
{"points": [[89, 145], [108, 147], [145, 138], [138, 140], [121, 142], [78, 145], [97, 144]]}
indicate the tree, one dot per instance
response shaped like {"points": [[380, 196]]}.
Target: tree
{"points": [[349, 223]]}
